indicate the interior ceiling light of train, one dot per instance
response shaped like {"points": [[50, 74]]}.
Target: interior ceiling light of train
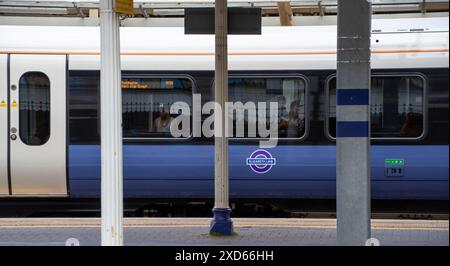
{"points": [[168, 8]]}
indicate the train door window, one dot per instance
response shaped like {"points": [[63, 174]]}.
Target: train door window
{"points": [[34, 108], [397, 107], [146, 103], [288, 92]]}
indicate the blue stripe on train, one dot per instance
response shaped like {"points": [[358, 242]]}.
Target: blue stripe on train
{"points": [[352, 97], [347, 129], [176, 171]]}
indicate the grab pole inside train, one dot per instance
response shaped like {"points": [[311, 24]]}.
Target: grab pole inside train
{"points": [[353, 122], [111, 126], [221, 223]]}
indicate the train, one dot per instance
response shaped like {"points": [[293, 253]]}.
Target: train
{"points": [[50, 111]]}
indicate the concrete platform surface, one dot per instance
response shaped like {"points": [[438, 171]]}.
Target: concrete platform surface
{"points": [[194, 232]]}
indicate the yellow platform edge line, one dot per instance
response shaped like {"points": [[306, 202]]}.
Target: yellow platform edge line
{"points": [[236, 226]]}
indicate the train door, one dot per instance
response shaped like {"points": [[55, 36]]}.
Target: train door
{"points": [[37, 130]]}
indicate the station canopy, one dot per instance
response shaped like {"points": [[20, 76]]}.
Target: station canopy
{"points": [[170, 8]]}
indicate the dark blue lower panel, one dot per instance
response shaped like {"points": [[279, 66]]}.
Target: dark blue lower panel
{"points": [[178, 171]]}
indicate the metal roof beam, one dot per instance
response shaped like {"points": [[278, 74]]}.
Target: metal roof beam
{"points": [[167, 4], [171, 8], [79, 11]]}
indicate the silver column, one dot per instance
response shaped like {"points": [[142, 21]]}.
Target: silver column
{"points": [[221, 223], [353, 122], [111, 127]]}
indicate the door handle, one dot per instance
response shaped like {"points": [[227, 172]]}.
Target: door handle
{"points": [[13, 133]]}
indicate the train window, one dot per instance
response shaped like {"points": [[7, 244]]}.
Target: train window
{"points": [[289, 92], [146, 103], [34, 108], [396, 107], [84, 107]]}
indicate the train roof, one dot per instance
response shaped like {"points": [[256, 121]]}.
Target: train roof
{"points": [[397, 43]]}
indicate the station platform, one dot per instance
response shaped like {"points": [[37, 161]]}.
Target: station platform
{"points": [[195, 232]]}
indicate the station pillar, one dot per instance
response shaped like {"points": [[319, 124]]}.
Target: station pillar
{"points": [[111, 127], [353, 122], [221, 223]]}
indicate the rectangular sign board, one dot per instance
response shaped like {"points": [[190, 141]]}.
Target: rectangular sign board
{"points": [[241, 20], [124, 7]]}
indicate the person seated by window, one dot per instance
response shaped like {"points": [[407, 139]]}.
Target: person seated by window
{"points": [[295, 123], [283, 119], [162, 123], [412, 126]]}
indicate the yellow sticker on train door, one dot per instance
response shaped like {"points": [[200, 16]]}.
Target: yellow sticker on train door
{"points": [[14, 104], [3, 104]]}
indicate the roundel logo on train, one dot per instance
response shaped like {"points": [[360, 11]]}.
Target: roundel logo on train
{"points": [[261, 161]]}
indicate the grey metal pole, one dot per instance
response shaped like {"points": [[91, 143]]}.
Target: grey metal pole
{"points": [[111, 127], [221, 223], [353, 122]]}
